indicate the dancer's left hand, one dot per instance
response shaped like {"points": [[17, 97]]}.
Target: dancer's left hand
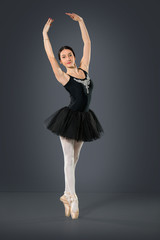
{"points": [[75, 17]]}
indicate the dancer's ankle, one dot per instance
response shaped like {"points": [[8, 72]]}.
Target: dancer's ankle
{"points": [[73, 196]]}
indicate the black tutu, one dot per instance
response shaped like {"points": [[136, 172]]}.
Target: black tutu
{"points": [[81, 126]]}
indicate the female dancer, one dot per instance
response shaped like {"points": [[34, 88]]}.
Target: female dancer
{"points": [[75, 123]]}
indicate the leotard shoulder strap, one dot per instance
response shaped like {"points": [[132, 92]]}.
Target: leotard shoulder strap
{"points": [[84, 72]]}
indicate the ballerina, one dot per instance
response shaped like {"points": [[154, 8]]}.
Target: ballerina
{"points": [[75, 123]]}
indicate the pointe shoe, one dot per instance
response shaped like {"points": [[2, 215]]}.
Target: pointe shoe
{"points": [[66, 201], [74, 200]]}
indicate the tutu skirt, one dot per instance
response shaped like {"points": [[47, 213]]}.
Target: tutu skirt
{"points": [[81, 126]]}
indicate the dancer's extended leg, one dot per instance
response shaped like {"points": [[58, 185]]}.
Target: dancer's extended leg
{"points": [[71, 151], [68, 152], [69, 173]]}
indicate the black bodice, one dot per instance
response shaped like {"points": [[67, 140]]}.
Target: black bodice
{"points": [[80, 91]]}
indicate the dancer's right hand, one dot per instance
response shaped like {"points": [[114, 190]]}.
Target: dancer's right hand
{"points": [[47, 25]]}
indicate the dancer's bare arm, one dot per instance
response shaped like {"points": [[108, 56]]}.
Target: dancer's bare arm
{"points": [[59, 74], [85, 61]]}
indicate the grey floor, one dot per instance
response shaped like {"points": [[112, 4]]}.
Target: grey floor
{"points": [[40, 215]]}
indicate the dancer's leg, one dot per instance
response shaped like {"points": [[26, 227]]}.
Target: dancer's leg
{"points": [[68, 151], [77, 148], [71, 150]]}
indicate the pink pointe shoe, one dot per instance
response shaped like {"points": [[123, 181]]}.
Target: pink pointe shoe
{"points": [[66, 201], [70, 202], [74, 205]]}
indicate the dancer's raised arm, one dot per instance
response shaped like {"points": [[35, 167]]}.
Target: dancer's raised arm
{"points": [[59, 74], [85, 61]]}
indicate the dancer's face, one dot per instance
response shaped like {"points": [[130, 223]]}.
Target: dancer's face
{"points": [[67, 58]]}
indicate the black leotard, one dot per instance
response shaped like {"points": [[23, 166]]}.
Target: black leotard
{"points": [[80, 92]]}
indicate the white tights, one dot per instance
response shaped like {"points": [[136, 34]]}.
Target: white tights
{"points": [[71, 150]]}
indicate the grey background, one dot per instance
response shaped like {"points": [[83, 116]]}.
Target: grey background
{"points": [[125, 69]]}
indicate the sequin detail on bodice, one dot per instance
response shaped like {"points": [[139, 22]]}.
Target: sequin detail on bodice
{"points": [[85, 82]]}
